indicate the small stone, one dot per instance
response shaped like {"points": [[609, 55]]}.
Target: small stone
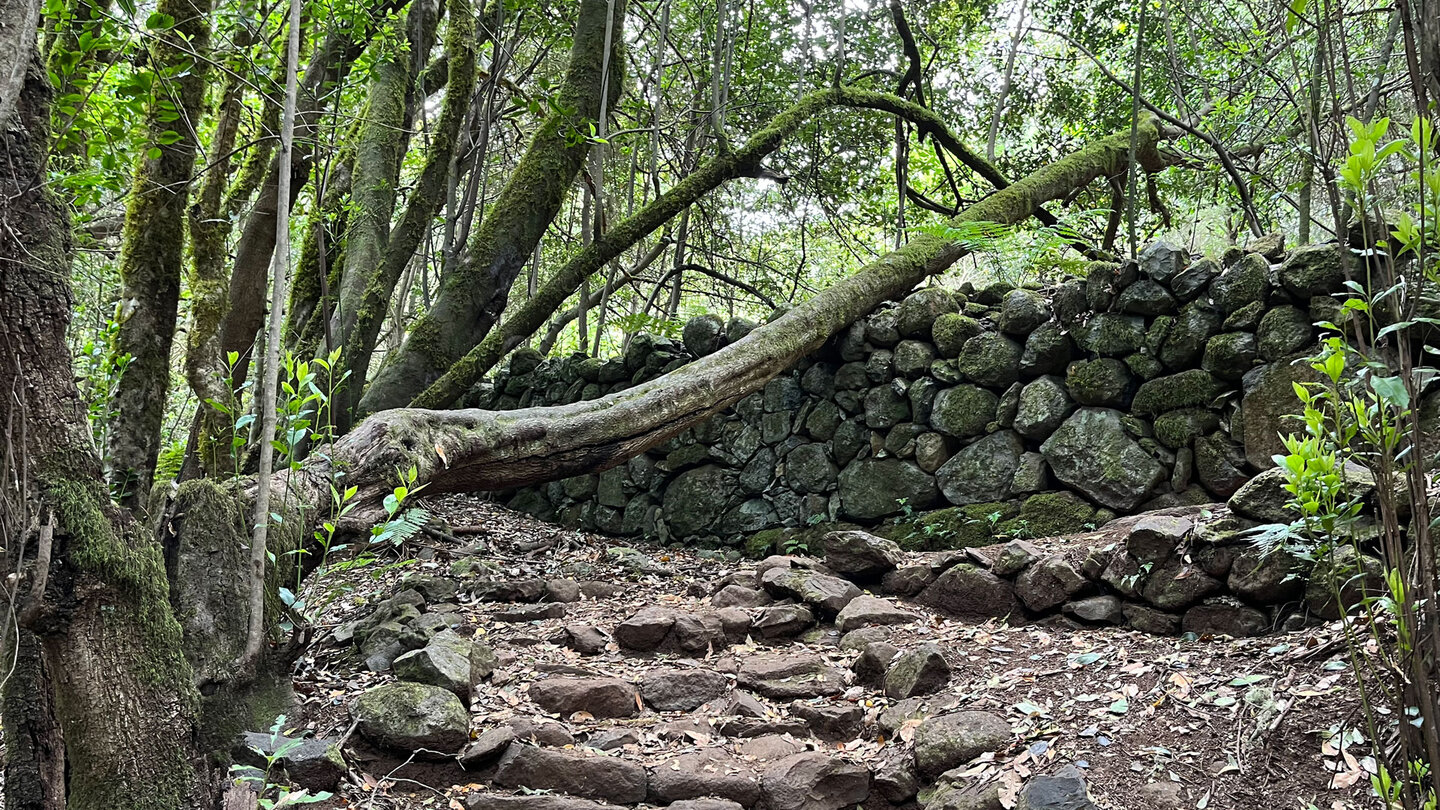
{"points": [[1096, 610], [1149, 620], [830, 720], [791, 676], [861, 556], [645, 630], [865, 611], [783, 621], [951, 740], [1049, 582]]}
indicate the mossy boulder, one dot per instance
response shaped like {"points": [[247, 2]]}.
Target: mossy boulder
{"points": [[1313, 270], [1111, 334], [703, 334], [1245, 282], [1185, 341], [413, 717], [1050, 514], [971, 526], [1284, 331], [877, 488], [963, 411], [982, 471], [1022, 311], [1047, 350], [1230, 354], [1146, 297], [1043, 405], [1161, 260], [1092, 453], [991, 359], [1105, 381], [1270, 407], [1190, 282], [951, 330], [696, 499], [1195, 387], [1178, 428], [920, 309]]}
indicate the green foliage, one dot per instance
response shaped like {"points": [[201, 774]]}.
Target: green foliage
{"points": [[274, 795]]}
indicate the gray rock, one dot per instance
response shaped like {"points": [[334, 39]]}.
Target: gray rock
{"points": [[1177, 585], [787, 677], [1264, 498], [967, 592], [1224, 617], [950, 332], [489, 800], [445, 662], [600, 697], [1063, 790], [951, 740], [583, 638], [1312, 270], [1185, 341], [896, 780], [1219, 465], [783, 621], [827, 593], [703, 334], [913, 358], [315, 764], [1021, 311], [696, 499], [873, 488], [1104, 382], [829, 720], [1111, 334], [1268, 402], [1047, 351], [1149, 620], [983, 471], [1357, 577], [603, 778], [991, 359], [1178, 428], [1014, 557], [808, 468], [645, 630], [1096, 609], [413, 717], [1284, 331], [1154, 538], [814, 781], [963, 411], [865, 611], [919, 310], [921, 671], [700, 774], [1245, 282], [487, 747], [1044, 404], [1162, 261], [1092, 453], [1146, 297], [1048, 583], [860, 555], [681, 690], [1194, 387], [1269, 579]]}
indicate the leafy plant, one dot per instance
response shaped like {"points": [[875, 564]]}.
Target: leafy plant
{"points": [[274, 795]]}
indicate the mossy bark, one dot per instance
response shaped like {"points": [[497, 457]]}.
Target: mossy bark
{"points": [[425, 201], [153, 246], [122, 690], [473, 293]]}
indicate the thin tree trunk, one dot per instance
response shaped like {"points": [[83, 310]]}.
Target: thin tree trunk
{"points": [[153, 250], [473, 294]]}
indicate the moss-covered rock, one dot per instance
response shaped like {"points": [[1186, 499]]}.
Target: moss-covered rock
{"points": [[991, 359], [1022, 311], [1283, 331], [1092, 453], [1050, 514], [963, 411], [1195, 387], [877, 488], [1146, 297], [983, 471], [921, 308], [1313, 270], [1245, 318], [1047, 351], [1229, 355], [1105, 381], [951, 330], [956, 527], [1111, 334], [1178, 428], [1245, 282], [413, 717]]}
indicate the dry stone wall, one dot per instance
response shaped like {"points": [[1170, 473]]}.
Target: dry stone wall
{"points": [[961, 417]]}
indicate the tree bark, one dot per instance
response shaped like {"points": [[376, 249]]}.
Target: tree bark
{"points": [[122, 689], [473, 294], [153, 249]]}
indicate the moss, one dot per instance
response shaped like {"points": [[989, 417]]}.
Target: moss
{"points": [[1194, 387], [1050, 514], [763, 543], [955, 527], [951, 330]]}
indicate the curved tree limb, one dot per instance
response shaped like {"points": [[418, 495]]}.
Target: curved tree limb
{"points": [[469, 450]]}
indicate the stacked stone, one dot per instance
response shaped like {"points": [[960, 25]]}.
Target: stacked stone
{"points": [[1013, 411]]}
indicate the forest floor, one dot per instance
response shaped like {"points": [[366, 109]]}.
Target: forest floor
{"points": [[1152, 722]]}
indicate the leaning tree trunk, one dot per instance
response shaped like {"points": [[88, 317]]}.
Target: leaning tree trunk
{"points": [[472, 450], [122, 690], [473, 294], [153, 248]]}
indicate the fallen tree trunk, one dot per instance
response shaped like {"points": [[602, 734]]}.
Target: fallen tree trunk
{"points": [[473, 450]]}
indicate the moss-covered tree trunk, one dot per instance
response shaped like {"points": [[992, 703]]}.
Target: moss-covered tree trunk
{"points": [[473, 294], [474, 450], [121, 688], [153, 248]]}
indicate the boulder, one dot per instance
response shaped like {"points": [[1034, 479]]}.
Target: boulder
{"points": [[1149, 620], [446, 661], [1193, 280], [787, 677], [983, 471], [1047, 350], [1178, 428], [1048, 583], [488, 800], [783, 621], [740, 596], [860, 555], [1264, 498], [1105, 609], [918, 312], [1269, 579], [413, 717], [950, 332], [1092, 453], [1358, 577], [991, 359], [814, 781], [826, 593], [1268, 403], [1284, 331], [1313, 270], [950, 740], [487, 747], [1146, 297], [646, 630], [867, 611], [603, 778], [913, 358], [681, 690], [1185, 341], [697, 498], [877, 488], [1044, 404], [1194, 387], [314, 764], [963, 411], [1155, 538], [706, 773], [1021, 311], [1242, 283], [1177, 585], [1063, 790], [599, 697], [703, 334], [968, 592], [1111, 334], [1162, 261], [829, 720], [1225, 617], [921, 671], [1105, 381], [1229, 355]]}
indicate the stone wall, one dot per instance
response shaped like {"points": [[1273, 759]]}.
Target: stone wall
{"points": [[960, 417]]}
